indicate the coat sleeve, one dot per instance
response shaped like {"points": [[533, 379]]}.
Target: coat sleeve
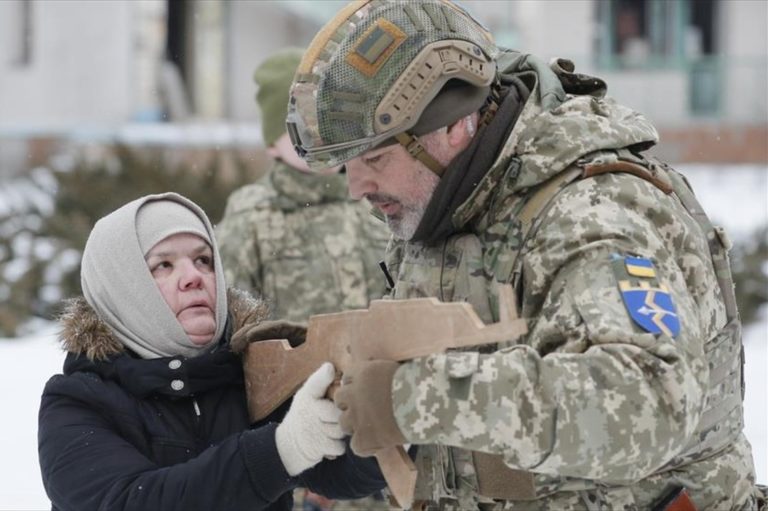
{"points": [[87, 465], [346, 477], [588, 393]]}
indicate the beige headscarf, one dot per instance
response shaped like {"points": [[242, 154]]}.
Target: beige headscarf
{"points": [[117, 283]]}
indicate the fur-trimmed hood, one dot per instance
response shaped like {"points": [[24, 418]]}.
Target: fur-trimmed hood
{"points": [[83, 332]]}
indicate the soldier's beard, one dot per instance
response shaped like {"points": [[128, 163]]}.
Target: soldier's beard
{"points": [[404, 223]]}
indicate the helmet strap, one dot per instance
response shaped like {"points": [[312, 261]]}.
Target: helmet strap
{"points": [[414, 147]]}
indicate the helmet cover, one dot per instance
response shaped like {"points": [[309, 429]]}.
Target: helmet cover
{"points": [[375, 69]]}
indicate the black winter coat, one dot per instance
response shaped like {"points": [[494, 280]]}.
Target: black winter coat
{"points": [[121, 433]]}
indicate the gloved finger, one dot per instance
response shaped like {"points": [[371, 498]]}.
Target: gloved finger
{"points": [[336, 448], [327, 412], [332, 431], [239, 341], [318, 382], [279, 329]]}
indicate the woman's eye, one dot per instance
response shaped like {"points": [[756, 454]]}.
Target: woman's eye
{"points": [[373, 160], [162, 265], [206, 261]]}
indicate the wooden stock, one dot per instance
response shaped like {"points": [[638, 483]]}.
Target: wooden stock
{"points": [[396, 330]]}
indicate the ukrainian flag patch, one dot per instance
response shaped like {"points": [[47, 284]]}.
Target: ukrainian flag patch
{"points": [[648, 302], [639, 266]]}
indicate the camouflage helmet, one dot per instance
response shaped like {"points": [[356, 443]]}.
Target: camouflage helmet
{"points": [[378, 70]]}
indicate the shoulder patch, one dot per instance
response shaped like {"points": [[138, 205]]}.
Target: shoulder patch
{"points": [[648, 302], [639, 267]]}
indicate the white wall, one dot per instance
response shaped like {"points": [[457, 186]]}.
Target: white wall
{"points": [[255, 31], [80, 69], [744, 43], [92, 59], [556, 28], [662, 96]]}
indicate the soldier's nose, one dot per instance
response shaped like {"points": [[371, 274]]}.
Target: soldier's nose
{"points": [[359, 180]]}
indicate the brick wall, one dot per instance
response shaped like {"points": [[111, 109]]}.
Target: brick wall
{"points": [[714, 144]]}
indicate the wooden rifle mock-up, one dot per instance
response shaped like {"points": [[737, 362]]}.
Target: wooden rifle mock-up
{"points": [[396, 330]]}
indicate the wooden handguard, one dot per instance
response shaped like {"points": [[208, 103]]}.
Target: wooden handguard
{"points": [[395, 330]]}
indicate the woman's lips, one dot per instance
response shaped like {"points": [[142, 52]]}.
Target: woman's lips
{"points": [[196, 308]]}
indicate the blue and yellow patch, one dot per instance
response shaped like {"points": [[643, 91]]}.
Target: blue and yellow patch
{"points": [[639, 267], [648, 302], [651, 307]]}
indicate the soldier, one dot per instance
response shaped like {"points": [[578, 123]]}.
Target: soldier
{"points": [[492, 167], [295, 237]]}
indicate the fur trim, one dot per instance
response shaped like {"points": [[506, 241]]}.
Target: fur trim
{"points": [[83, 332]]}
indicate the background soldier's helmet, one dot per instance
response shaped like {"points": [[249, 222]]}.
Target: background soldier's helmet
{"points": [[384, 67]]}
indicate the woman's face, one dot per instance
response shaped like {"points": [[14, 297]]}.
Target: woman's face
{"points": [[182, 266]]}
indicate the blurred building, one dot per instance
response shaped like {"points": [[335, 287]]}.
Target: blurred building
{"points": [[697, 68]]}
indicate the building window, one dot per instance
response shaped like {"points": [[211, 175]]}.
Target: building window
{"points": [[16, 32], [654, 33], [663, 34], [704, 66]]}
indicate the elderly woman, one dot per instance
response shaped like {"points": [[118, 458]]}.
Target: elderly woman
{"points": [[150, 413]]}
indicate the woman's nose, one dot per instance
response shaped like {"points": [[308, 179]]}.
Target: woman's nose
{"points": [[191, 276]]}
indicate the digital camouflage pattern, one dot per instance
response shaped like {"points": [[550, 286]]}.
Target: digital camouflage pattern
{"points": [[300, 242], [604, 414]]}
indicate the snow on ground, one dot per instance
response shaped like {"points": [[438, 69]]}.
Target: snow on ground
{"points": [[736, 197], [25, 366]]}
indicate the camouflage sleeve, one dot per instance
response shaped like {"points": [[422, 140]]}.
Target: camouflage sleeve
{"points": [[237, 239], [589, 394]]}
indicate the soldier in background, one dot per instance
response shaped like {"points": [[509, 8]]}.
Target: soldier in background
{"points": [[296, 238], [493, 167]]}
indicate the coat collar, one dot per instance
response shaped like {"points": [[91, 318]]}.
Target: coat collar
{"points": [[84, 333], [94, 349]]}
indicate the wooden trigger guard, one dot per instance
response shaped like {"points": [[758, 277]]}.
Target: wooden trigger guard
{"points": [[396, 330]]}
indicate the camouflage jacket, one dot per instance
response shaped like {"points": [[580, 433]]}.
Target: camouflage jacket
{"points": [[603, 412], [298, 240]]}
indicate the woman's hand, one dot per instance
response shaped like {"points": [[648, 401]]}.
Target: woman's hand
{"points": [[310, 430]]}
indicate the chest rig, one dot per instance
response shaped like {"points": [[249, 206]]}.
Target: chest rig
{"points": [[465, 267]]}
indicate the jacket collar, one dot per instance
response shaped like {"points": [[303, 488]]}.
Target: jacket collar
{"points": [[297, 189], [84, 333], [92, 347]]}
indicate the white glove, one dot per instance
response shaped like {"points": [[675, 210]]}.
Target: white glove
{"points": [[310, 430]]}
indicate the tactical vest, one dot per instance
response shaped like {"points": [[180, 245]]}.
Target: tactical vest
{"points": [[448, 477]]}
